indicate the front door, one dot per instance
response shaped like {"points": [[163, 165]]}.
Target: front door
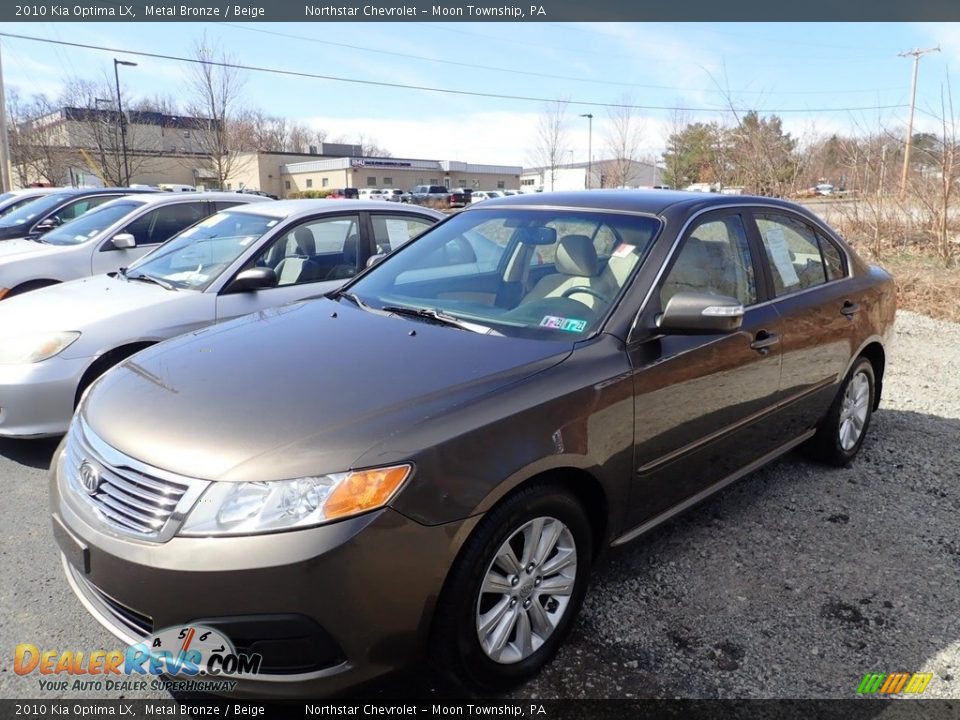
{"points": [[700, 399]]}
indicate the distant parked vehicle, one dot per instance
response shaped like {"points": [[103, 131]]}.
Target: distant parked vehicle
{"points": [[824, 189], [57, 340], [106, 238], [55, 209], [261, 193], [393, 194], [344, 194], [430, 195], [175, 187], [372, 194], [10, 201], [479, 195], [460, 197]]}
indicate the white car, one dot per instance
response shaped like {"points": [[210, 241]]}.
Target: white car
{"points": [[392, 194], [106, 238], [479, 195], [372, 194], [57, 340]]}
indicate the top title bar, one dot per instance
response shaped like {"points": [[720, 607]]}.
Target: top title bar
{"points": [[479, 11]]}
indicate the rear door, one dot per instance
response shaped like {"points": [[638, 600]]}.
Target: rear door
{"points": [[700, 400], [807, 274], [310, 257]]}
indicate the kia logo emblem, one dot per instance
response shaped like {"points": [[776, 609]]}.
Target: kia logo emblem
{"points": [[89, 477]]}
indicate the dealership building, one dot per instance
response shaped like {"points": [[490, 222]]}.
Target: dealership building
{"points": [[372, 172]]}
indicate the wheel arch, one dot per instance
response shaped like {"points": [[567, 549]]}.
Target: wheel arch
{"points": [[105, 361], [874, 351]]}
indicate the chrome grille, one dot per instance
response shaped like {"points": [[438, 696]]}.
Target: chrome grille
{"points": [[129, 496]]}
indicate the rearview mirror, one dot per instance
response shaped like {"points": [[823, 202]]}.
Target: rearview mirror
{"points": [[123, 241], [258, 278], [537, 235], [689, 313], [374, 259]]}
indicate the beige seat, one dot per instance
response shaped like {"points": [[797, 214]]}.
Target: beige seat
{"points": [[577, 266], [703, 267], [301, 268]]}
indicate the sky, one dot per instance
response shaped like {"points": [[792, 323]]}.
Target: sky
{"points": [[820, 78]]}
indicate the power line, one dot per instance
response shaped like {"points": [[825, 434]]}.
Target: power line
{"points": [[529, 73], [425, 88]]}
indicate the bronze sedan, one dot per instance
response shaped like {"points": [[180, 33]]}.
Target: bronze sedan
{"points": [[427, 462]]}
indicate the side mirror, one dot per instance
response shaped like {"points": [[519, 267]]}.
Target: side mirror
{"points": [[258, 278], [689, 313], [374, 259], [47, 224], [123, 241]]}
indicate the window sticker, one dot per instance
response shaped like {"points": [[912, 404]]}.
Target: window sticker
{"points": [[780, 254], [624, 250], [559, 323]]}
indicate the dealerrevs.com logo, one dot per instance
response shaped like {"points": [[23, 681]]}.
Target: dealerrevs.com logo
{"points": [[187, 653]]}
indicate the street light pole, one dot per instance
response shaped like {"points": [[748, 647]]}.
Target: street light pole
{"points": [[589, 117], [123, 125]]}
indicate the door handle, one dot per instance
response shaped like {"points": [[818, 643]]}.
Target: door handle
{"points": [[763, 341], [849, 308]]}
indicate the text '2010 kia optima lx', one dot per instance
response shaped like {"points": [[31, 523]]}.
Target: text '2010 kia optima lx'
{"points": [[426, 462]]}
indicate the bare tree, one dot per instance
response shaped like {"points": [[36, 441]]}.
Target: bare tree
{"points": [[551, 141], [623, 144], [215, 88]]}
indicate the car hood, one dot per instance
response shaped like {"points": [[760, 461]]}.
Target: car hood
{"points": [[78, 304], [302, 389], [22, 249]]}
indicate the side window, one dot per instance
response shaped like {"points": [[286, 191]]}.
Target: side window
{"points": [[78, 208], [714, 258], [832, 258], [392, 231], [322, 249], [221, 205], [793, 252], [161, 224]]}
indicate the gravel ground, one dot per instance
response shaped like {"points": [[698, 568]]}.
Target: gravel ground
{"points": [[794, 582]]}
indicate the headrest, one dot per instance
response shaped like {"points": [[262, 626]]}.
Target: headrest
{"points": [[577, 256], [305, 243]]}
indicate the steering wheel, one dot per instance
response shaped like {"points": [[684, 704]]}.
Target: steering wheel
{"points": [[586, 290]]}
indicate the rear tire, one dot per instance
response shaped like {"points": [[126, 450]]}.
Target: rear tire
{"points": [[514, 590], [841, 433]]}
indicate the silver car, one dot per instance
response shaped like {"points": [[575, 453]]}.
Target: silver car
{"points": [[56, 340], [106, 238]]}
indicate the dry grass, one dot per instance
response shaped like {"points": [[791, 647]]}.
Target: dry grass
{"points": [[925, 284]]}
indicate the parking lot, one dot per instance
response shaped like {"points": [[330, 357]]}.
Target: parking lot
{"points": [[795, 582]]}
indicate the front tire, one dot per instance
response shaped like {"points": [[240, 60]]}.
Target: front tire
{"points": [[514, 591], [840, 435]]}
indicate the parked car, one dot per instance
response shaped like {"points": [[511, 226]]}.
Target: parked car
{"points": [[479, 195], [824, 189], [372, 194], [53, 210], [261, 193], [10, 201], [56, 340], [106, 238], [393, 194], [437, 195], [427, 467], [344, 194]]}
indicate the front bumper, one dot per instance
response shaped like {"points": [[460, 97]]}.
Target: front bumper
{"points": [[370, 583], [36, 399]]}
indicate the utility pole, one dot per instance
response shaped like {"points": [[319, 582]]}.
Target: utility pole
{"points": [[916, 55], [123, 125], [5, 183], [589, 117]]}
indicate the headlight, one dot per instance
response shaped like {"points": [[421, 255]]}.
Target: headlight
{"points": [[259, 507], [34, 348]]}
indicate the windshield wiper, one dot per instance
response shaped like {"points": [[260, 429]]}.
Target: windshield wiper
{"points": [[143, 277], [440, 317], [352, 297]]}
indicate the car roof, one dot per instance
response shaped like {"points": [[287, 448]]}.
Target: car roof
{"points": [[103, 191], [166, 198], [653, 202], [297, 208]]}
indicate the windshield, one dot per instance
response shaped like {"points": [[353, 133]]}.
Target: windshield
{"points": [[33, 210], [197, 256], [90, 224], [542, 273]]}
